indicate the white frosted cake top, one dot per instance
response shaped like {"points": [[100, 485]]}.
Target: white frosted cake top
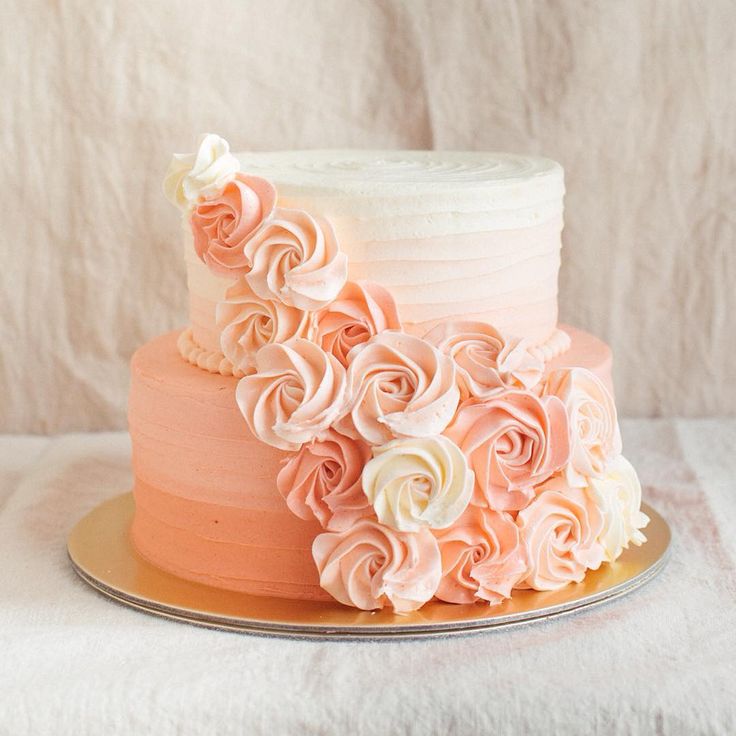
{"points": [[380, 173]]}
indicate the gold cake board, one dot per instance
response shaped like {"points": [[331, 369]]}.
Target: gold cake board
{"points": [[102, 554]]}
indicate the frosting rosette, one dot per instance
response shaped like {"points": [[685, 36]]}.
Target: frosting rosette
{"points": [[618, 496], [369, 565], [297, 392], [249, 322], [322, 481], [399, 386], [482, 557], [200, 175], [487, 362], [560, 529], [418, 482], [362, 309], [222, 225], [594, 433], [513, 441], [294, 258]]}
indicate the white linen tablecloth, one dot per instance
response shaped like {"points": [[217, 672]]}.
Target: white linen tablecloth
{"points": [[662, 660]]}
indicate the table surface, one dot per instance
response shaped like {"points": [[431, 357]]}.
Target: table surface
{"points": [[662, 660]]}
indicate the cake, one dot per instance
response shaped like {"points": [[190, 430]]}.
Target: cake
{"points": [[373, 402]]}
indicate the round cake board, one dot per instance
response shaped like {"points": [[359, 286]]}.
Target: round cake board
{"points": [[102, 554]]}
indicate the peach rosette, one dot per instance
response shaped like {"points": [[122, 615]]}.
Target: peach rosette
{"points": [[487, 362], [322, 481], [223, 224], [294, 258], [362, 309], [192, 177], [618, 496], [418, 482], [594, 433], [398, 386], [370, 565], [296, 393], [560, 529], [513, 441], [482, 557], [249, 322]]}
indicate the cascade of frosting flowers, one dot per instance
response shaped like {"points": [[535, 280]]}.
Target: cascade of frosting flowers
{"points": [[450, 466]]}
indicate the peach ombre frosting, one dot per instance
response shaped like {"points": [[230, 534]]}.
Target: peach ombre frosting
{"points": [[296, 393], [425, 432], [207, 508], [398, 386], [249, 322], [362, 309], [486, 361], [370, 565], [514, 441], [323, 481], [561, 529], [221, 226], [483, 557]]}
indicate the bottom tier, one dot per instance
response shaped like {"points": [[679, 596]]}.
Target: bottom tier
{"points": [[207, 507]]}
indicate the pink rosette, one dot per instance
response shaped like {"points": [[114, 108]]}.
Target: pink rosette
{"points": [[560, 529], [322, 481], [222, 225], [398, 386], [297, 392], [513, 441], [594, 433], [362, 309], [294, 259], [482, 557], [249, 322], [486, 361], [369, 565]]}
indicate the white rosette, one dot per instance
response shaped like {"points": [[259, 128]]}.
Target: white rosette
{"points": [[192, 176], [618, 496], [418, 482]]}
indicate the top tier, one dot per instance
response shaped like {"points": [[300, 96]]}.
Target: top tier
{"points": [[452, 235]]}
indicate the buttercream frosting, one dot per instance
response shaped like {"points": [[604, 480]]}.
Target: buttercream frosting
{"points": [[200, 175], [294, 258], [361, 310], [483, 557], [398, 386], [322, 481], [296, 393], [594, 430], [459, 464], [561, 529], [486, 361], [249, 322], [418, 482], [617, 494], [226, 524], [370, 565], [513, 441], [223, 224], [452, 236]]}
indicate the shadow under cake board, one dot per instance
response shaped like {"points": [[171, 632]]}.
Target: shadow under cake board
{"points": [[102, 554]]}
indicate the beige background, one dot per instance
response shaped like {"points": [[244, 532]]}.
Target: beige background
{"points": [[635, 98]]}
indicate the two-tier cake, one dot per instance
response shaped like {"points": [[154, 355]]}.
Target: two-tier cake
{"points": [[373, 401]]}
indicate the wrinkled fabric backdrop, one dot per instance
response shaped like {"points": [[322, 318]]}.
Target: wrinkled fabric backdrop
{"points": [[635, 98]]}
